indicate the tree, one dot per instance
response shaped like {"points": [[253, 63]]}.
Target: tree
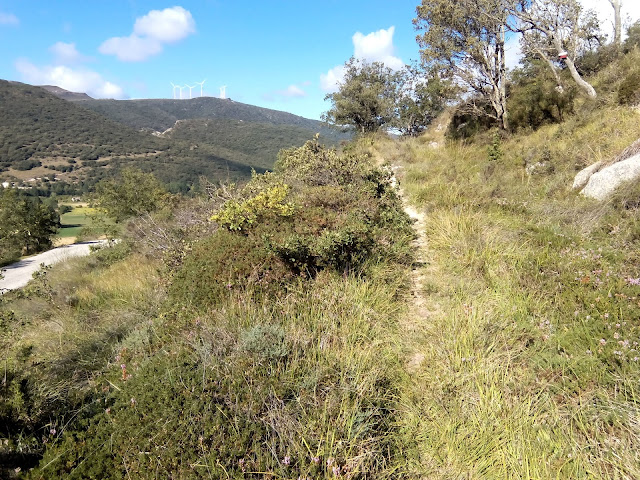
{"points": [[465, 40], [557, 29], [365, 98], [134, 193], [617, 22], [534, 96], [421, 96], [633, 37], [26, 224]]}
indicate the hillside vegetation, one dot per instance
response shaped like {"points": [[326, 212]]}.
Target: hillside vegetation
{"points": [[264, 346], [302, 326], [57, 146], [161, 114]]}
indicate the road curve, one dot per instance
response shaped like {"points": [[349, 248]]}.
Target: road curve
{"points": [[18, 274]]}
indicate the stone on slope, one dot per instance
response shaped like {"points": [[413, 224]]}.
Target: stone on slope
{"points": [[604, 182], [584, 175]]}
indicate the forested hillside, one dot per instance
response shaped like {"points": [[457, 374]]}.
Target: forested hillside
{"points": [[161, 114], [58, 146]]}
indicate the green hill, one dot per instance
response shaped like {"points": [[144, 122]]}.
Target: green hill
{"points": [[57, 145], [161, 114]]}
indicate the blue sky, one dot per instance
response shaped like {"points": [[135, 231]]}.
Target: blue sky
{"points": [[281, 54]]}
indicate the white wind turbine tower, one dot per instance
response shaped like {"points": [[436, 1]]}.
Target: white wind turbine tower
{"points": [[190, 88], [181, 88], [201, 84], [174, 89], [223, 92]]}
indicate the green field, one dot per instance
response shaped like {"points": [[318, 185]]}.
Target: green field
{"points": [[73, 221]]}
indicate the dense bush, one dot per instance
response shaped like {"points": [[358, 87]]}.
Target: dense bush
{"points": [[269, 357], [633, 37], [322, 209], [535, 98], [629, 89], [226, 264]]}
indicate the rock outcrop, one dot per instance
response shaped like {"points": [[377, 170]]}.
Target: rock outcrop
{"points": [[584, 175], [605, 181]]}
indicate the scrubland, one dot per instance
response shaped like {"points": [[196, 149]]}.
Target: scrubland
{"points": [[271, 330]]}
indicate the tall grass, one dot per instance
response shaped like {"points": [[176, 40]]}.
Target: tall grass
{"points": [[529, 367]]}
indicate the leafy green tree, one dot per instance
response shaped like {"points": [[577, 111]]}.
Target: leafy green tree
{"points": [[558, 29], [366, 97], [26, 224], [421, 96], [633, 37], [465, 40], [133, 193], [534, 96]]}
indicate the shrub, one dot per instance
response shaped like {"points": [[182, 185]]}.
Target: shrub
{"points": [[224, 264], [629, 89], [236, 215], [265, 342], [315, 165]]}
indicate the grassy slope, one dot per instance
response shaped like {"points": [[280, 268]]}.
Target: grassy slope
{"points": [[530, 344], [529, 367]]}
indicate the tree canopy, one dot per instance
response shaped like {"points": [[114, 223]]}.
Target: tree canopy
{"points": [[465, 40], [133, 193], [373, 96], [365, 98], [558, 29], [26, 224]]}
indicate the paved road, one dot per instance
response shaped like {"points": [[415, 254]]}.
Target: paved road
{"points": [[18, 274]]}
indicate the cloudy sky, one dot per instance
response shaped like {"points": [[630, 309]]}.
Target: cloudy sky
{"points": [[282, 54]]}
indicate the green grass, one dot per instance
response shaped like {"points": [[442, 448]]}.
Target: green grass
{"points": [[530, 340], [73, 223]]}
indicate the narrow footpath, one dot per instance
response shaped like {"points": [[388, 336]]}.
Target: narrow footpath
{"points": [[413, 324]]}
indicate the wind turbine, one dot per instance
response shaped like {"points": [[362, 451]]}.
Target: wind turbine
{"points": [[190, 88], [201, 84], [181, 90], [223, 92], [174, 89]]}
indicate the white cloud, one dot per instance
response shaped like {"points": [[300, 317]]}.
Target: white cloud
{"points": [[8, 19], [66, 53], [373, 47], [292, 91], [377, 47], [74, 80], [150, 33], [167, 26], [329, 81], [131, 48]]}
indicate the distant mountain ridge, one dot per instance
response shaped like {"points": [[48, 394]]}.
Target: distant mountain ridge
{"points": [[66, 94], [66, 146], [161, 114]]}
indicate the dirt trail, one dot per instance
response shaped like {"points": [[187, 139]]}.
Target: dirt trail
{"points": [[418, 313]]}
